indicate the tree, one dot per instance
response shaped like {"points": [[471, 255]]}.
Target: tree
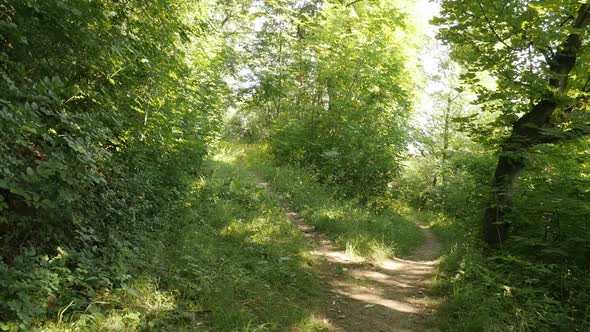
{"points": [[537, 51], [331, 83]]}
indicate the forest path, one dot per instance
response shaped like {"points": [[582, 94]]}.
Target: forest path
{"points": [[390, 295]]}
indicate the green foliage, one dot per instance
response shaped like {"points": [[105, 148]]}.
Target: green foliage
{"points": [[463, 191], [111, 220], [529, 55], [104, 105], [228, 259], [362, 232], [537, 281], [241, 258], [331, 91], [552, 205], [518, 288], [515, 43]]}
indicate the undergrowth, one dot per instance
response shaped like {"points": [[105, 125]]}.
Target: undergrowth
{"points": [[365, 233], [226, 257], [513, 288], [229, 260]]}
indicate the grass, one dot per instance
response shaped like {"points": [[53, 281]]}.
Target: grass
{"points": [[505, 289], [231, 260], [363, 233]]}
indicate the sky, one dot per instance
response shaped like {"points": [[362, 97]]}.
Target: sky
{"points": [[425, 10]]}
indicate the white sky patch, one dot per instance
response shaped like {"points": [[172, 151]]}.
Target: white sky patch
{"points": [[431, 56], [259, 23]]}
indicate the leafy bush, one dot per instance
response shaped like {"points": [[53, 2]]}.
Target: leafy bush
{"points": [[104, 105], [331, 90], [460, 190], [357, 156]]}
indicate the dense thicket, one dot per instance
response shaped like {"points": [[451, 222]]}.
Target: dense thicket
{"points": [[104, 105]]}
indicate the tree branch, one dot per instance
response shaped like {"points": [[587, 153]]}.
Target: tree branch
{"points": [[565, 135], [352, 3], [501, 11], [491, 26], [565, 58], [225, 20], [566, 20]]}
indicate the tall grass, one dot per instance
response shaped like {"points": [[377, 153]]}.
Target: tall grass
{"points": [[362, 232], [513, 288], [229, 261]]}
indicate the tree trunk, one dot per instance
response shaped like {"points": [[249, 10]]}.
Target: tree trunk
{"points": [[445, 149], [496, 222], [528, 131]]}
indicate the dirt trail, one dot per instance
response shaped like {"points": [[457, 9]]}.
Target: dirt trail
{"points": [[374, 297]]}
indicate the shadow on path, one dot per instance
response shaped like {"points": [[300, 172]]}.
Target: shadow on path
{"points": [[391, 295]]}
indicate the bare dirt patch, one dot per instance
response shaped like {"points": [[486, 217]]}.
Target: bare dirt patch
{"points": [[391, 295]]}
